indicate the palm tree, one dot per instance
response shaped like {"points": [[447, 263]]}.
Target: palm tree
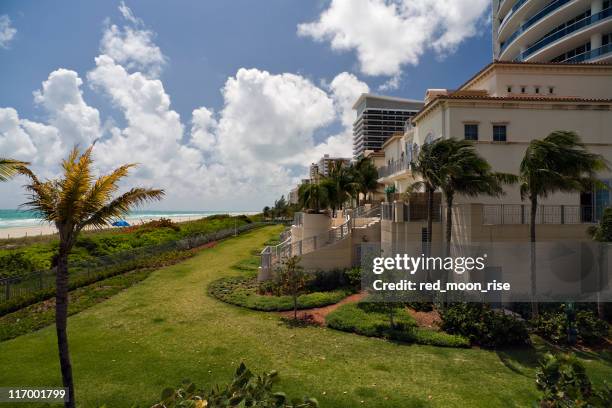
{"points": [[365, 178], [313, 196], [73, 202], [339, 184], [558, 163], [464, 172], [427, 167], [9, 167]]}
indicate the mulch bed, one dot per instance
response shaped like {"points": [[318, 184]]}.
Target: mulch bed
{"points": [[318, 314]]}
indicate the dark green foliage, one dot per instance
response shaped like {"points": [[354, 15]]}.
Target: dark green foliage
{"points": [[483, 325], [244, 291], [245, 390], [553, 327], [371, 319], [564, 383], [334, 279], [421, 306], [91, 245]]}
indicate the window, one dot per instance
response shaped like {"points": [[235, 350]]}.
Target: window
{"points": [[523, 89], [470, 131], [499, 133], [509, 89], [551, 90], [537, 89]]}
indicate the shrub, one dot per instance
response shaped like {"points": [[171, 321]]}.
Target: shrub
{"points": [[245, 390], [483, 325], [243, 291], [334, 279], [371, 319], [553, 327], [565, 384]]}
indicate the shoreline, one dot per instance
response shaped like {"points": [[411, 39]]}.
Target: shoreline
{"points": [[43, 229]]}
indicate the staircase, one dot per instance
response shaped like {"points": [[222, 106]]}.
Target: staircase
{"points": [[360, 219]]}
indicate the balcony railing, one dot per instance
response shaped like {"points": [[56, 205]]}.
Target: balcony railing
{"points": [[532, 20], [393, 168], [585, 22], [590, 55], [516, 214], [513, 10]]}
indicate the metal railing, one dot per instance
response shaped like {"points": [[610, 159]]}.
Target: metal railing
{"points": [[532, 20], [510, 214], [37, 281], [393, 168], [274, 255], [589, 55], [513, 10], [585, 22], [298, 218]]}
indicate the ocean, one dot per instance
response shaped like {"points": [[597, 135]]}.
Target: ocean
{"points": [[19, 218]]}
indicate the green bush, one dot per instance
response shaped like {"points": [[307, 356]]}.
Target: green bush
{"points": [[483, 325], [243, 291], [245, 390], [334, 279], [372, 320], [553, 327], [564, 383]]}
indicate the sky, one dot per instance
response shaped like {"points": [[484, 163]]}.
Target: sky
{"points": [[221, 103]]}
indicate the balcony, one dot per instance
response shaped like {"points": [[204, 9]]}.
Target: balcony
{"points": [[512, 11], [531, 21], [597, 53], [577, 26], [394, 168]]}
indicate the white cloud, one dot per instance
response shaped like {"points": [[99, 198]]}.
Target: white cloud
{"points": [[62, 98], [388, 34], [240, 157], [7, 31], [134, 48], [203, 129], [126, 12]]}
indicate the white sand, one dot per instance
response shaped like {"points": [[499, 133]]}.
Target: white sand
{"points": [[47, 229]]}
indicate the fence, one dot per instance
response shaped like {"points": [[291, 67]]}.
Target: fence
{"points": [[30, 283], [500, 214]]}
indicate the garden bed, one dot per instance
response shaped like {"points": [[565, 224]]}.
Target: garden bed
{"points": [[370, 319], [243, 291]]}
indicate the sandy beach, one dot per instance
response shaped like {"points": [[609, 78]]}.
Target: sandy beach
{"points": [[47, 229]]}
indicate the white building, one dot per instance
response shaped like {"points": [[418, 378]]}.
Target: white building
{"points": [[552, 31]]}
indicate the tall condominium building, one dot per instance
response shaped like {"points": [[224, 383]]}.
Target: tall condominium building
{"points": [[552, 31], [325, 163], [314, 172], [378, 118]]}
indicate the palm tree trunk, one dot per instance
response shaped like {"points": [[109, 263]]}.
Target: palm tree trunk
{"points": [[449, 222], [532, 235], [430, 208], [61, 322]]}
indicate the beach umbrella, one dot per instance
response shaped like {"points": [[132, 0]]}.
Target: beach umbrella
{"points": [[121, 223]]}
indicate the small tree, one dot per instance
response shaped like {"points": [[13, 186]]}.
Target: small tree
{"points": [[73, 202], [291, 280]]}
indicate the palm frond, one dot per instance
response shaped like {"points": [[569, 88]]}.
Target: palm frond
{"points": [[120, 206], [9, 168]]}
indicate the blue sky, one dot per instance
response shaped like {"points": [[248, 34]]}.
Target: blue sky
{"points": [[192, 53]]}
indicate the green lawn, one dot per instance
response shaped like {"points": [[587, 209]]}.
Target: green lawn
{"points": [[166, 328]]}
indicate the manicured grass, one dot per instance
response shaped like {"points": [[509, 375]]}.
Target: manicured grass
{"points": [[166, 328], [242, 291], [368, 319]]}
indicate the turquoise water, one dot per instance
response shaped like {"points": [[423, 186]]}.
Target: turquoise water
{"points": [[17, 218]]}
